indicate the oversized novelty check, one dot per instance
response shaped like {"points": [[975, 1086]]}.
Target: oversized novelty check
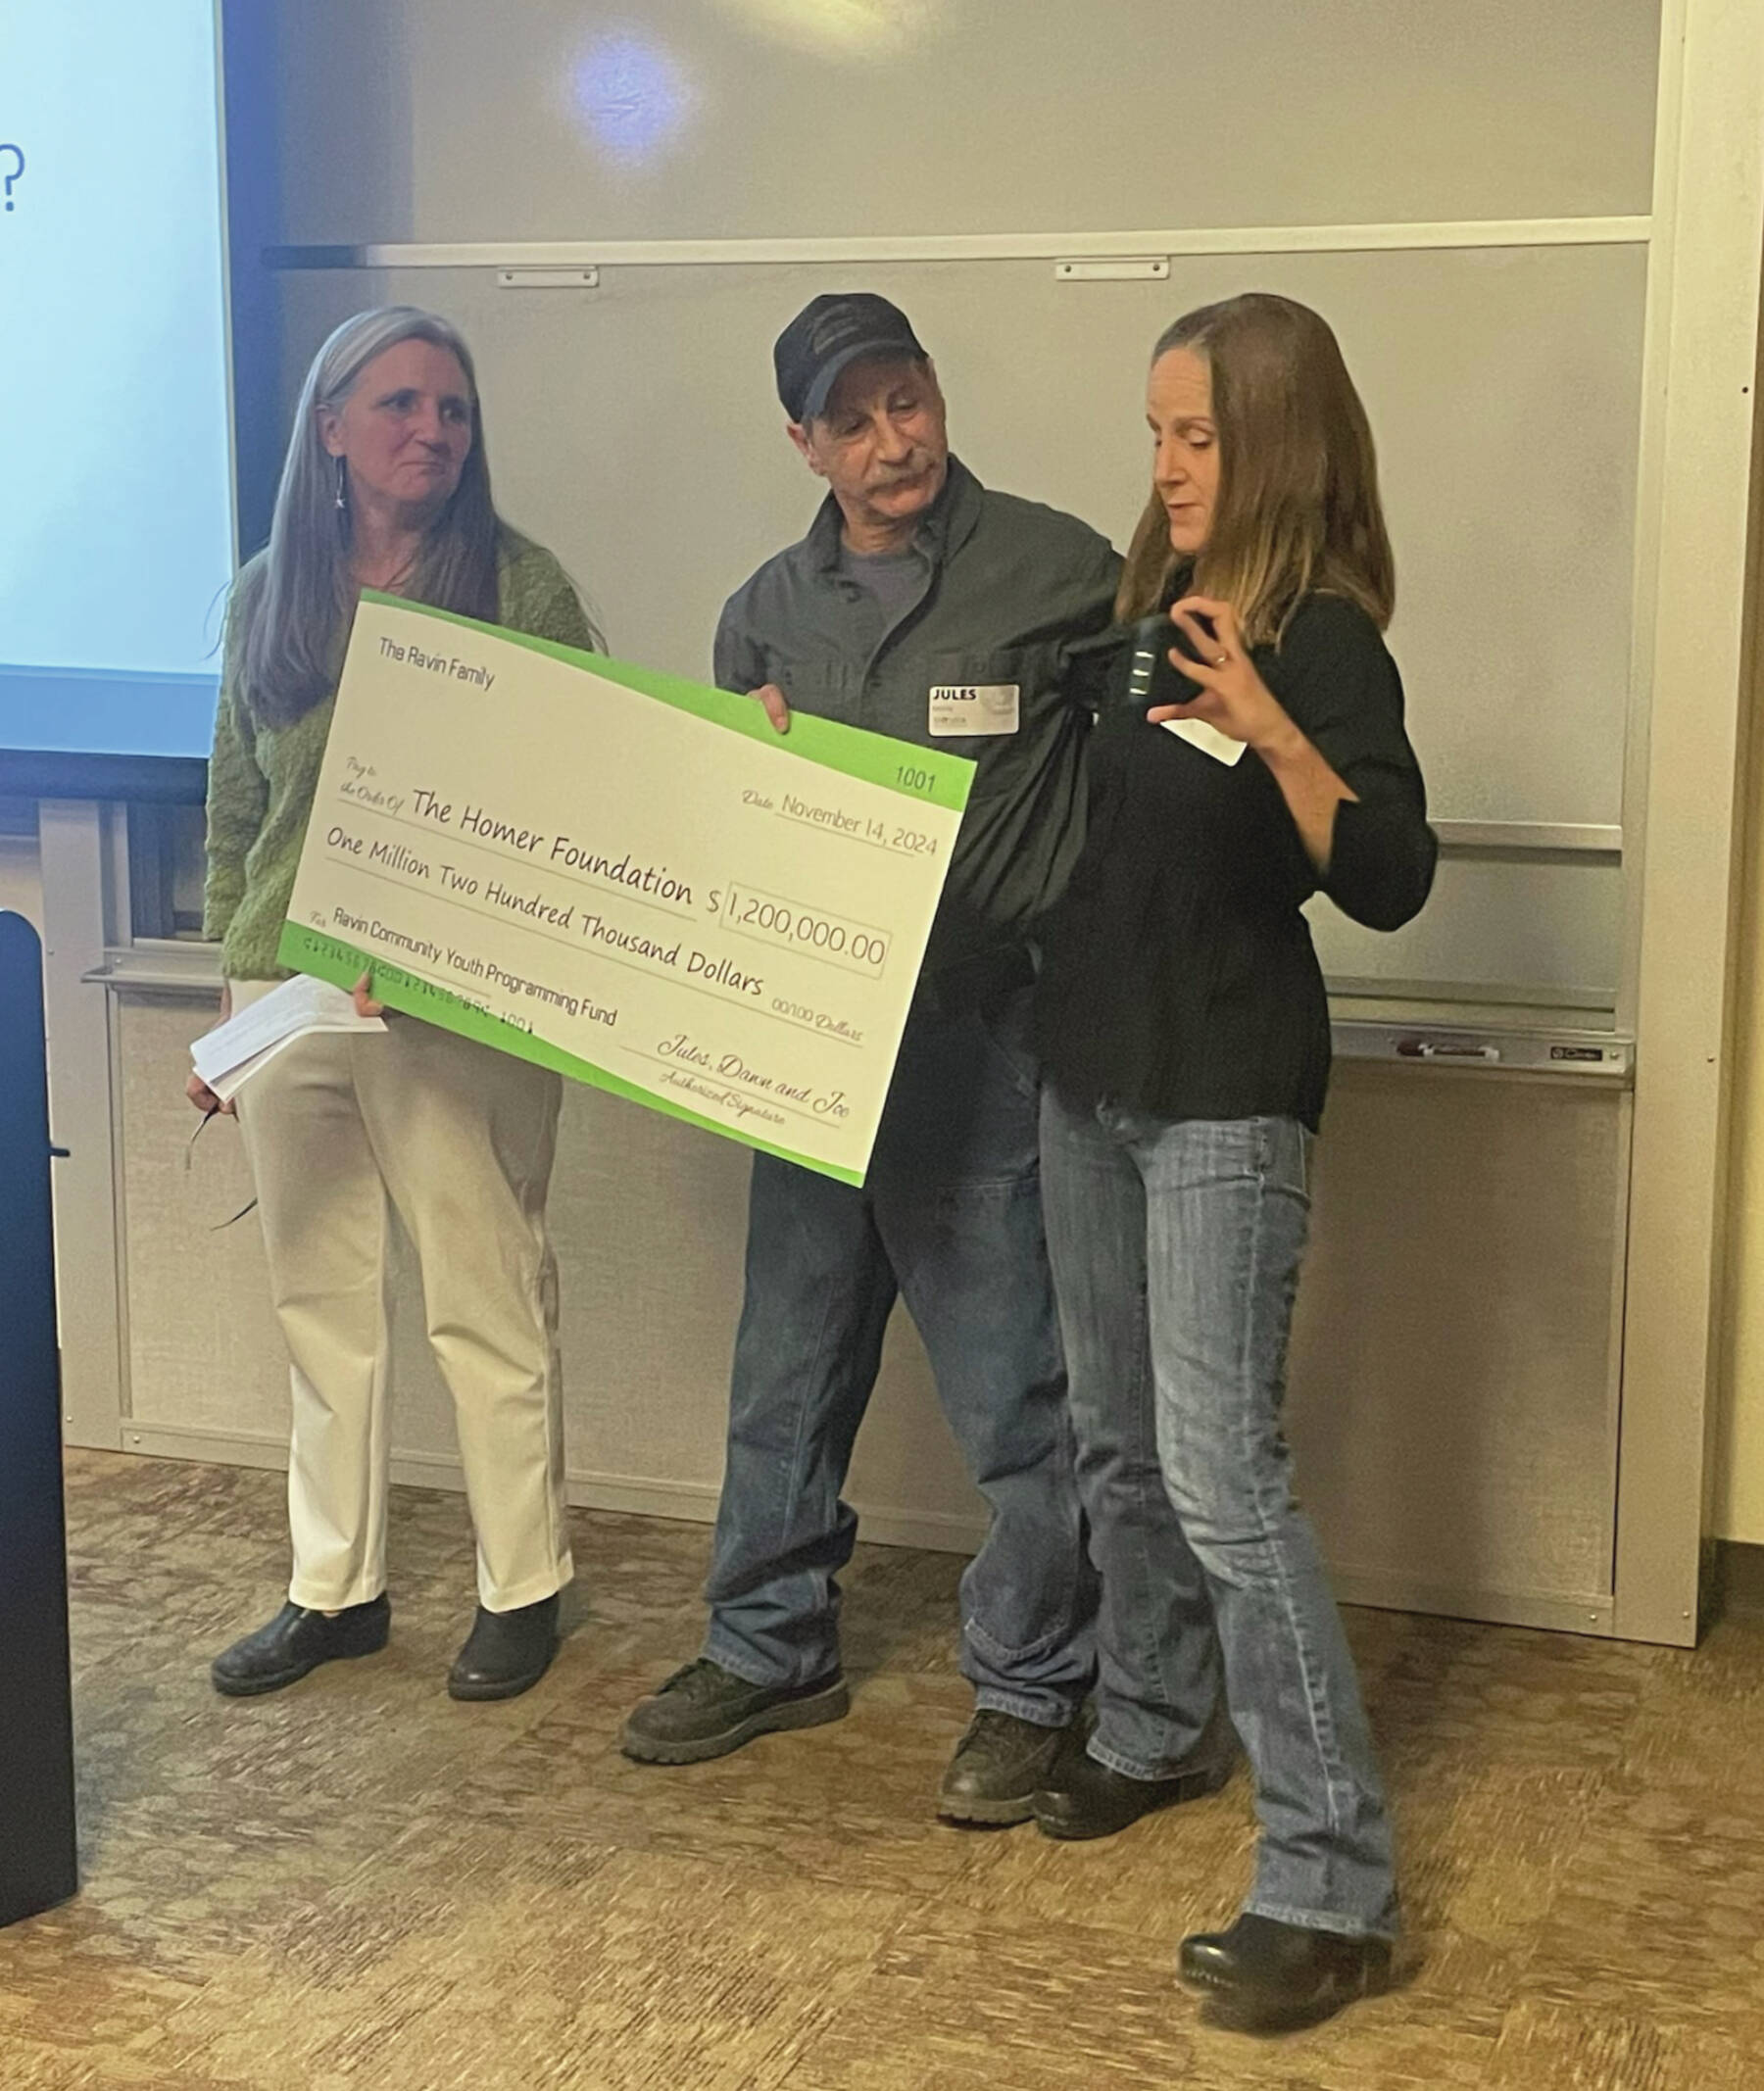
{"points": [[626, 877]]}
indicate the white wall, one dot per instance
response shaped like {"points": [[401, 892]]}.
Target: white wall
{"points": [[1737, 1508]]}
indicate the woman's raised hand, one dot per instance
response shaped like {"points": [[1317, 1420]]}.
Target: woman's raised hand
{"points": [[1232, 697]]}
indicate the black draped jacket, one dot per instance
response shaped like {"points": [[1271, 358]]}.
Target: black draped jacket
{"points": [[1178, 975]]}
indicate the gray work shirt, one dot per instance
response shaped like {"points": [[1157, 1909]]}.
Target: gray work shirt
{"points": [[1004, 588]]}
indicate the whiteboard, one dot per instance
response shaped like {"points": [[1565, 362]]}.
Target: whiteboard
{"points": [[635, 430], [449, 120]]}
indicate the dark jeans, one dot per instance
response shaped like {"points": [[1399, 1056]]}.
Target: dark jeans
{"points": [[950, 1219], [1176, 1247]]}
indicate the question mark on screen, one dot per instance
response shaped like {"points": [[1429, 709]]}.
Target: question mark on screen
{"points": [[15, 172]]}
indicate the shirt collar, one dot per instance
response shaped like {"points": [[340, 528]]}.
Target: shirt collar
{"points": [[949, 525]]}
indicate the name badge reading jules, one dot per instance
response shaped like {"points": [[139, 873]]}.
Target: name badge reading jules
{"points": [[958, 709]]}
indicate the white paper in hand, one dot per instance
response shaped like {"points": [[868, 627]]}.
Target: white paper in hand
{"points": [[227, 1056]]}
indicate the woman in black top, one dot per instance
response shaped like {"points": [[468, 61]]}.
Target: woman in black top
{"points": [[1184, 1027]]}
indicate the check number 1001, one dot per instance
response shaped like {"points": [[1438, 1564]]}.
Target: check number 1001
{"points": [[852, 944]]}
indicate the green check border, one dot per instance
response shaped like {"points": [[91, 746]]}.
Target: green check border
{"points": [[309, 951], [871, 757]]}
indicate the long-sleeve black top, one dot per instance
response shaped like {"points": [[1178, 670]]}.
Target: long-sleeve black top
{"points": [[1178, 975]]}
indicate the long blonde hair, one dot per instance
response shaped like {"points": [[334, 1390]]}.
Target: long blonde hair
{"points": [[1298, 508]]}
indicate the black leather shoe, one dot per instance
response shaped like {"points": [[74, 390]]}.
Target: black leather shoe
{"points": [[705, 1711], [1263, 1976], [997, 1769], [506, 1653], [1085, 1799], [297, 1640]]}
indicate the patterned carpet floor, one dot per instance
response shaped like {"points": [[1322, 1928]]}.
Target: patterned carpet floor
{"points": [[358, 1885]]}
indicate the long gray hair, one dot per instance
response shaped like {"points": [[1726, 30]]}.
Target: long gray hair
{"points": [[294, 604]]}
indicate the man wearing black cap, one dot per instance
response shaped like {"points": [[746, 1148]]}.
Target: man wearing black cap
{"points": [[922, 605]]}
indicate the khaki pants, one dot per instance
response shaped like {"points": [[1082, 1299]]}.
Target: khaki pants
{"points": [[460, 1138]]}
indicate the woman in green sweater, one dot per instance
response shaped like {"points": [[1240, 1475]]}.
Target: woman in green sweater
{"points": [[386, 487]]}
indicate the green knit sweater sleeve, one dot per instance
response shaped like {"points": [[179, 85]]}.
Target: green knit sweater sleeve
{"points": [[238, 792], [539, 598]]}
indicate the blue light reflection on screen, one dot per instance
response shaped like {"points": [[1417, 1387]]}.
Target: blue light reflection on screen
{"points": [[632, 97]]}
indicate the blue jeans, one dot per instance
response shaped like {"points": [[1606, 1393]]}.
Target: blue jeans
{"points": [[1176, 1250], [950, 1218]]}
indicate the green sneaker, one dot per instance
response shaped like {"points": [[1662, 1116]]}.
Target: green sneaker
{"points": [[705, 1711]]}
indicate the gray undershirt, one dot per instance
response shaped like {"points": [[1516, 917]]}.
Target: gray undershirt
{"points": [[896, 579]]}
